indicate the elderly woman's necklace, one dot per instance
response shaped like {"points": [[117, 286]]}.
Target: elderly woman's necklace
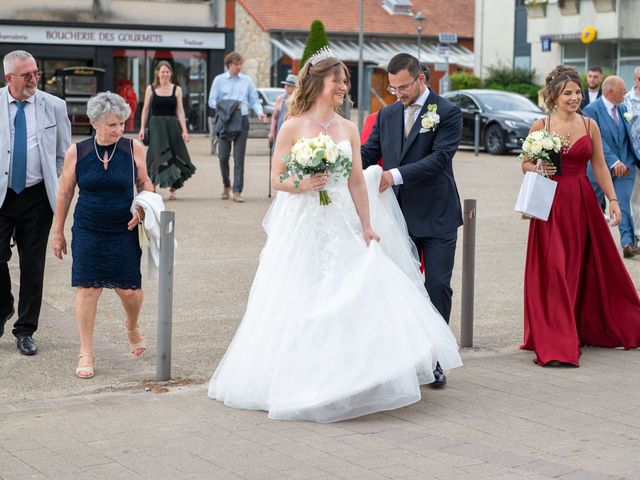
{"points": [[107, 158]]}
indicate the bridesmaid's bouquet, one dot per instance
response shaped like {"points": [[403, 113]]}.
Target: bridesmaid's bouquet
{"points": [[544, 146], [314, 155]]}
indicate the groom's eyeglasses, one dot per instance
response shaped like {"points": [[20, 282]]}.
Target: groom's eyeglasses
{"points": [[403, 89]]}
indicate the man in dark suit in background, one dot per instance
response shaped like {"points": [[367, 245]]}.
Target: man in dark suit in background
{"points": [[593, 90], [418, 136]]}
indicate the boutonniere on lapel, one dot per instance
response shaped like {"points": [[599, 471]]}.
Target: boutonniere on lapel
{"points": [[628, 116], [430, 120]]}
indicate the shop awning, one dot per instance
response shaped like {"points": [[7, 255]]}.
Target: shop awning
{"points": [[380, 52]]}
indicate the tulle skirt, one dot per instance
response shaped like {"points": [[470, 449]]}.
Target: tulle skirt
{"points": [[334, 329]]}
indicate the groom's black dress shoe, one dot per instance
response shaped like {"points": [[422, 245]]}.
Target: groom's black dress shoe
{"points": [[440, 377], [5, 319], [26, 345]]}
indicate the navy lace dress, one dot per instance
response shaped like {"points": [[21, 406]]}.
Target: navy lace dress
{"points": [[105, 254]]}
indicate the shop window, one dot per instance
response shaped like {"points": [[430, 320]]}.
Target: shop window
{"points": [[629, 48], [134, 70], [627, 68], [575, 55], [51, 80], [603, 55]]}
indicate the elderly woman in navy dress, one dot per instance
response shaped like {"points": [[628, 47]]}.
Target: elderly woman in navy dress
{"points": [[105, 248]]}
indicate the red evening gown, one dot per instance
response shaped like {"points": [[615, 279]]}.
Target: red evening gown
{"points": [[577, 290]]}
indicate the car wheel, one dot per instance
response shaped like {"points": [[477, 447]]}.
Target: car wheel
{"points": [[494, 140]]}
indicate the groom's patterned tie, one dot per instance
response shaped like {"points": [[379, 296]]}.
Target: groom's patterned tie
{"points": [[410, 118], [19, 165]]}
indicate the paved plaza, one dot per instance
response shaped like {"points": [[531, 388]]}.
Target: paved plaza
{"points": [[500, 417]]}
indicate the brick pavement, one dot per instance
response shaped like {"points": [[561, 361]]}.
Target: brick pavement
{"points": [[501, 417]]}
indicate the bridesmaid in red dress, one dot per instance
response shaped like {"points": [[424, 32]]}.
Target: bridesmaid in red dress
{"points": [[577, 290]]}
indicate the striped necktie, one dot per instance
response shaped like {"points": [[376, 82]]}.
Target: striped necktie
{"points": [[19, 164]]}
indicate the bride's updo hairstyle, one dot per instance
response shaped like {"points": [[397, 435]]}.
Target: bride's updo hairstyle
{"points": [[310, 82], [555, 83]]}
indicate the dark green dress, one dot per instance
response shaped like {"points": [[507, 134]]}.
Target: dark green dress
{"points": [[168, 162]]}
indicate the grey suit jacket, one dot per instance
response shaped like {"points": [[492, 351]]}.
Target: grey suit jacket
{"points": [[54, 138]]}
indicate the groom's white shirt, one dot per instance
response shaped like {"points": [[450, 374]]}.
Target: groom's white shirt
{"points": [[395, 173]]}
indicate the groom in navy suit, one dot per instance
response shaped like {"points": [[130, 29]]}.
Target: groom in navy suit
{"points": [[619, 152], [417, 137]]}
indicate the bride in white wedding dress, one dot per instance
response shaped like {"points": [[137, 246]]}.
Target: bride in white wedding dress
{"points": [[338, 323]]}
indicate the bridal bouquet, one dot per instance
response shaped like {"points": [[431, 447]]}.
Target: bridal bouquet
{"points": [[313, 155], [544, 146]]}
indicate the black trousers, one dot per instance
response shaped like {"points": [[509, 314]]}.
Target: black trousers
{"points": [[439, 255], [29, 214]]}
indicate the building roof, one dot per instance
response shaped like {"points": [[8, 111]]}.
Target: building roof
{"points": [[343, 16]]}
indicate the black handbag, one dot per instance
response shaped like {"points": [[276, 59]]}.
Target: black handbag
{"points": [[145, 140]]}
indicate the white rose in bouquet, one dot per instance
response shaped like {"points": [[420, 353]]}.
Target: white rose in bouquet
{"points": [[536, 146], [547, 143]]}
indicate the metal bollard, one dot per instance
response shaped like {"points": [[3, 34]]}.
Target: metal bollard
{"points": [[476, 135], [165, 295], [468, 272]]}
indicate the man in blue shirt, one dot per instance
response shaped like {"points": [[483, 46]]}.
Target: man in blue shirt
{"points": [[233, 85]]}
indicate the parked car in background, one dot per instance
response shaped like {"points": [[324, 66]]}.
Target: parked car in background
{"points": [[505, 118], [268, 98]]}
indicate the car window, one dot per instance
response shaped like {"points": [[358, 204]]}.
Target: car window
{"points": [[455, 99], [272, 95], [500, 101], [465, 102]]}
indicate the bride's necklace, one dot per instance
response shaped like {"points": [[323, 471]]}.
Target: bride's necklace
{"points": [[109, 157], [324, 126]]}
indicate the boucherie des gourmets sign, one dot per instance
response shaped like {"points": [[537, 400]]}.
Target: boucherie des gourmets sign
{"points": [[111, 36]]}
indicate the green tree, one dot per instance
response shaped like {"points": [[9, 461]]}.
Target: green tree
{"points": [[517, 80], [315, 41]]}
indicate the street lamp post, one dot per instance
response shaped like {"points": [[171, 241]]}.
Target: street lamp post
{"points": [[419, 19]]}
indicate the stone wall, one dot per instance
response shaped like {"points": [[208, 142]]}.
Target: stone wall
{"points": [[255, 47]]}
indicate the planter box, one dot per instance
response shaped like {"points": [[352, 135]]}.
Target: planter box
{"points": [[604, 5], [569, 7], [538, 10]]}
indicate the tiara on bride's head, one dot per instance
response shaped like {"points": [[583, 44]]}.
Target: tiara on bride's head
{"points": [[322, 54]]}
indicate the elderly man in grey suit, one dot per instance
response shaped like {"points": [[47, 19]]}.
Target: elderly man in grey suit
{"points": [[35, 134]]}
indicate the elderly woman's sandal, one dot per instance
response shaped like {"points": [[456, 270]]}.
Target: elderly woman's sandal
{"points": [[85, 372], [136, 348]]}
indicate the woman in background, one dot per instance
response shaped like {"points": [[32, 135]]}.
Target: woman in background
{"points": [[168, 161]]}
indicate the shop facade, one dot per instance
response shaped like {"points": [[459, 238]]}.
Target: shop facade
{"points": [[78, 60]]}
